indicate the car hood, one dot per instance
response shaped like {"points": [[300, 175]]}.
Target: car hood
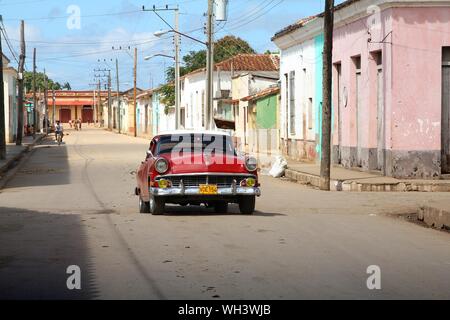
{"points": [[200, 163]]}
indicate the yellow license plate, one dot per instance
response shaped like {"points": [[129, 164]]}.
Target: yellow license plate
{"points": [[208, 189]]}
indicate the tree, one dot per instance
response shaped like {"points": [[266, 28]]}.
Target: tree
{"points": [[224, 48], [229, 46], [66, 86], [40, 82]]}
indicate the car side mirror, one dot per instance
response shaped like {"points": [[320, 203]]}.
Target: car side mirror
{"points": [[149, 154]]}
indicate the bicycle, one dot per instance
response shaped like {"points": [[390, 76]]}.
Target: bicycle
{"points": [[59, 137]]}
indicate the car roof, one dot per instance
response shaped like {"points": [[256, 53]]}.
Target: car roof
{"points": [[183, 132]]}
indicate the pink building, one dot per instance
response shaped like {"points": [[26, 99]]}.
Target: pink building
{"points": [[391, 81]]}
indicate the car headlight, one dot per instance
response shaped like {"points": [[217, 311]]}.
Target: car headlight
{"points": [[161, 165], [249, 182], [251, 164]]}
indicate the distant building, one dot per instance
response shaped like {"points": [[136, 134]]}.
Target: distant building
{"points": [[144, 113], [246, 87], [193, 98], [263, 123]]}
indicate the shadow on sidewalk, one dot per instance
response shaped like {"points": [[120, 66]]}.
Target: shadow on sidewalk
{"points": [[49, 165]]}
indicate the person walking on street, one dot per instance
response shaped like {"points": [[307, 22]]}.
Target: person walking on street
{"points": [[58, 130], [80, 122]]}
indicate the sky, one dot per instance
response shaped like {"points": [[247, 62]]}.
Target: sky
{"points": [[72, 49]]}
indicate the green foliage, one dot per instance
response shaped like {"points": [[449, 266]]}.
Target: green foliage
{"points": [[224, 48], [167, 95], [229, 46], [40, 82]]}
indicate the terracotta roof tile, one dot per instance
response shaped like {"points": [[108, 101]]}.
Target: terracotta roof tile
{"points": [[246, 62], [263, 93]]}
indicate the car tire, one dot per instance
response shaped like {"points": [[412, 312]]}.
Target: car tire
{"points": [[144, 207], [221, 207], [247, 204], [157, 206]]}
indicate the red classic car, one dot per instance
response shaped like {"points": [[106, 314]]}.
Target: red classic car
{"points": [[194, 168]]}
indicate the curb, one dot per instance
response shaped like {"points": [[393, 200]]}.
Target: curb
{"points": [[356, 186], [435, 217]]}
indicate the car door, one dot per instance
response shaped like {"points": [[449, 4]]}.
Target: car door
{"points": [[145, 168]]}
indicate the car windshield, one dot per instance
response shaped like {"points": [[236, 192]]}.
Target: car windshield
{"points": [[192, 143]]}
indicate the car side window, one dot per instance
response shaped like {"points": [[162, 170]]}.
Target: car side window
{"points": [[152, 147]]}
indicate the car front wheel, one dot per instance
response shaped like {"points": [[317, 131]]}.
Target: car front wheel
{"points": [[247, 204], [144, 207], [157, 206]]}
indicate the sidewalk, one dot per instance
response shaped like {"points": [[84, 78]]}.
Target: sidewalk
{"points": [[14, 153], [359, 181]]}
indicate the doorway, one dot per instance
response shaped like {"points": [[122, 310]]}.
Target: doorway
{"points": [[380, 113], [339, 112], [87, 115], [64, 115], [446, 110], [359, 111]]}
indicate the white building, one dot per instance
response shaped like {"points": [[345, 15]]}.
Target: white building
{"points": [[144, 113], [163, 117], [301, 89], [10, 92]]}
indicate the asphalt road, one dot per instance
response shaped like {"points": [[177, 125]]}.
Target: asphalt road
{"points": [[74, 205]]}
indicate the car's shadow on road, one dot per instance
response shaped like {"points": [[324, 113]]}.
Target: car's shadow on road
{"points": [[233, 210]]}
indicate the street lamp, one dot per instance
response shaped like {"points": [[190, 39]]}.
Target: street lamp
{"points": [[177, 69], [159, 55]]}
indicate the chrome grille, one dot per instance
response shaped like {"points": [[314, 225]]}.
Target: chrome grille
{"points": [[222, 181]]}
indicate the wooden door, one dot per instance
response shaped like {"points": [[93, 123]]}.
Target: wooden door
{"points": [[64, 115], [359, 120], [446, 111], [87, 115]]}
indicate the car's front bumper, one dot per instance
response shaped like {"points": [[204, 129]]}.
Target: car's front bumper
{"points": [[194, 191]]}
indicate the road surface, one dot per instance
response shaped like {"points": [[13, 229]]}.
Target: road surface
{"points": [[74, 205]]}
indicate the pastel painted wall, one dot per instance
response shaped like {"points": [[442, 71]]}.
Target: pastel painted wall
{"points": [[318, 43], [161, 121], [266, 112], [412, 72]]}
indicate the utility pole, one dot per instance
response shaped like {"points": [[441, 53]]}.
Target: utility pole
{"points": [[54, 106], [325, 163], [45, 103], [110, 122], [35, 112], [99, 101], [118, 97], [95, 107], [210, 67], [135, 93], [2, 107], [177, 70], [20, 100]]}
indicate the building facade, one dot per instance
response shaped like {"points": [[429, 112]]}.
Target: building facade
{"points": [[10, 96], [301, 90], [391, 87]]}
